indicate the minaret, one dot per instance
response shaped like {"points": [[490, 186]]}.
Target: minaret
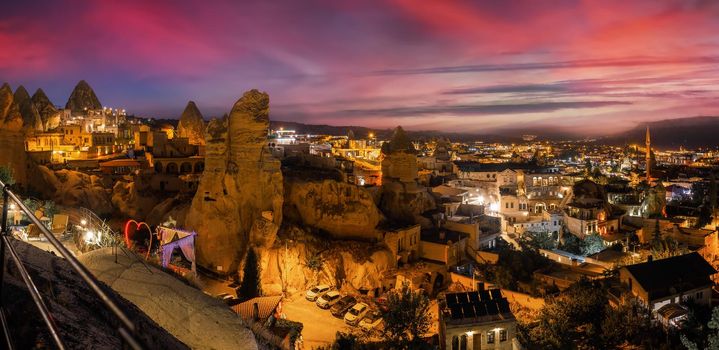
{"points": [[648, 155]]}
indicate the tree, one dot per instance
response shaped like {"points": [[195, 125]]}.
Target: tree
{"points": [[563, 321], [250, 286], [407, 318], [7, 175], [712, 341], [592, 244], [538, 240]]}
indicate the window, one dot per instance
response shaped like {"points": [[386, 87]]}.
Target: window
{"points": [[502, 335], [490, 337], [700, 295]]}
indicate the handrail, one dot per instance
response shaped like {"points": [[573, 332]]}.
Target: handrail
{"points": [[127, 328], [36, 297]]}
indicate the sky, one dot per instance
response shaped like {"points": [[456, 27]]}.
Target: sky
{"points": [[585, 67]]}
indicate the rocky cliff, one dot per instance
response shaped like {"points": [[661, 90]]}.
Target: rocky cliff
{"points": [[343, 210], [295, 264], [192, 124], [82, 97], [72, 188], [49, 115], [10, 117], [241, 186]]}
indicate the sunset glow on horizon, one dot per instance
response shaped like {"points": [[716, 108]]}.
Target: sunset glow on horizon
{"points": [[599, 67]]}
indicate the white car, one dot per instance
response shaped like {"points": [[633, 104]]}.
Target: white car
{"points": [[317, 292], [356, 313], [330, 298], [371, 321]]}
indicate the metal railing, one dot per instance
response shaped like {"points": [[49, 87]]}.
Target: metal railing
{"points": [[127, 327]]}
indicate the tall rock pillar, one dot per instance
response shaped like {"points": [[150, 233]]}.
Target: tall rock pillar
{"points": [[239, 199]]}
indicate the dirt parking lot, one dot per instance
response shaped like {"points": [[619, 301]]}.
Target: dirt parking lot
{"points": [[320, 326]]}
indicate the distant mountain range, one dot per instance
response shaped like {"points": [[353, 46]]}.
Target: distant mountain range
{"points": [[691, 132]]}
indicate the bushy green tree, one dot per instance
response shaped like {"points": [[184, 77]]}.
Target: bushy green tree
{"points": [[407, 318], [592, 244], [712, 340]]}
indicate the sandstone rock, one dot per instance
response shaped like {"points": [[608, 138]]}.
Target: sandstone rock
{"points": [[343, 210], [192, 125], [82, 97], [30, 115], [72, 188], [10, 117], [403, 199], [348, 265], [49, 115], [198, 320], [241, 183], [176, 207], [131, 201]]}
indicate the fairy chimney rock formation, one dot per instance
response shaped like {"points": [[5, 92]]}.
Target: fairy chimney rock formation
{"points": [[82, 98], [30, 115], [192, 125], [49, 115], [238, 202], [10, 117]]}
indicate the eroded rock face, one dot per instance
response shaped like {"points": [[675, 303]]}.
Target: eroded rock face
{"points": [[82, 97], [295, 265], [403, 199], [192, 125], [49, 115], [30, 115], [10, 117], [73, 188], [343, 210], [241, 184], [131, 201]]}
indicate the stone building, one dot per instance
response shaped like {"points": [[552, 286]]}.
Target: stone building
{"points": [[666, 283], [476, 320]]}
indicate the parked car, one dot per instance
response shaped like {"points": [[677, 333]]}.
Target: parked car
{"points": [[371, 321], [317, 292], [356, 313], [330, 298], [340, 308]]}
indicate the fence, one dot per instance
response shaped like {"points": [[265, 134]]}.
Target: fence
{"points": [[127, 327]]}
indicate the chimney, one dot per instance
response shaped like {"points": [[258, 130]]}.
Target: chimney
{"points": [[255, 312]]}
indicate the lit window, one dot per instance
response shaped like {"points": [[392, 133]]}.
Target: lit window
{"points": [[502, 335], [490, 337]]}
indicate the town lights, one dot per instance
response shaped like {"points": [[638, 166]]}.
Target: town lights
{"points": [[83, 222]]}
